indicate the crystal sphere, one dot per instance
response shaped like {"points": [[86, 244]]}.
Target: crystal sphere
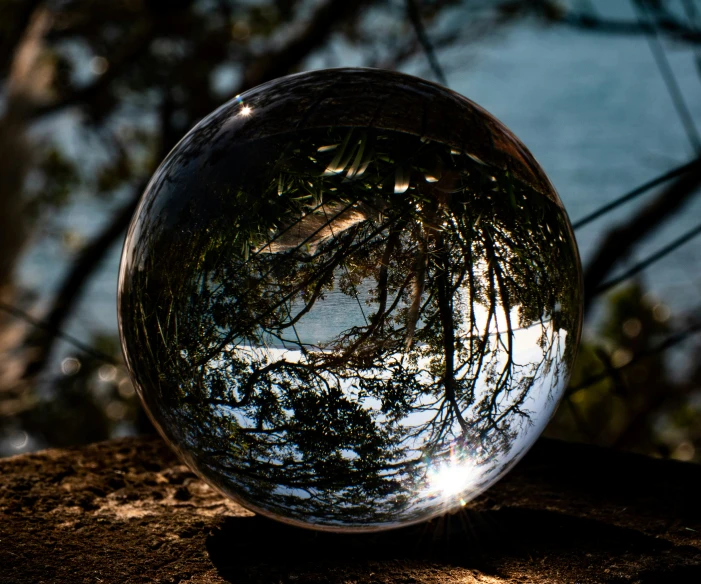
{"points": [[350, 299]]}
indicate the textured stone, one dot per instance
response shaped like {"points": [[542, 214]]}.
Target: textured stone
{"points": [[128, 511]]}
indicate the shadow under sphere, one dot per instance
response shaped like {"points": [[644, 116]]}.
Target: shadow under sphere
{"points": [[350, 299]]}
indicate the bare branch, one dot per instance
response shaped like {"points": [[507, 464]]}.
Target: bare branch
{"points": [[43, 325], [667, 73], [668, 343], [668, 26], [119, 62], [622, 239], [321, 24], [651, 259], [415, 18], [633, 194], [42, 341]]}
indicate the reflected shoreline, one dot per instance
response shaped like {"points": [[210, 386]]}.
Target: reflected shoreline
{"points": [[349, 327]]}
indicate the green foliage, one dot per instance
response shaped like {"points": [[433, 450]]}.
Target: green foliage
{"points": [[58, 178], [644, 404], [93, 401]]}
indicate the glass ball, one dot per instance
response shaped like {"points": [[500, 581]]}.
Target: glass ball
{"points": [[350, 299]]}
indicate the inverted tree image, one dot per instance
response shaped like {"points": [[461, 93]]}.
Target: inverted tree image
{"points": [[348, 326]]}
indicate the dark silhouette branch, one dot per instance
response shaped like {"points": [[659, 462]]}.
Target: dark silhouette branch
{"points": [[119, 63], [419, 281], [426, 44], [619, 242], [665, 69], [668, 343], [445, 310], [45, 326], [392, 240], [611, 26], [282, 61], [20, 23], [633, 194], [651, 259], [412, 46], [41, 342]]}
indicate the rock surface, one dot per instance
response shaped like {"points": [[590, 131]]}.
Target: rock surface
{"points": [[128, 511]]}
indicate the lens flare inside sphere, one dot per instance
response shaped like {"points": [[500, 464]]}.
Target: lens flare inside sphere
{"points": [[350, 299]]}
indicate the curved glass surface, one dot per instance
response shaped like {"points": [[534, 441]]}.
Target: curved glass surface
{"points": [[350, 299]]}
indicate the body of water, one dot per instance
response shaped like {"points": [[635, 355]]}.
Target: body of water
{"points": [[592, 108]]}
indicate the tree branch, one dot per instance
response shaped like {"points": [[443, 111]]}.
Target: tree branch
{"points": [[421, 35], [668, 343], [20, 21], [133, 48], [280, 62], [267, 67], [445, 310], [667, 26], [619, 242], [42, 341], [630, 195], [651, 259]]}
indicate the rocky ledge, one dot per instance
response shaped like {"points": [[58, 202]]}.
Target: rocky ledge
{"points": [[127, 511]]}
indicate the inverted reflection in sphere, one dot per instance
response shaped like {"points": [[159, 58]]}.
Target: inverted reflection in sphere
{"points": [[350, 299]]}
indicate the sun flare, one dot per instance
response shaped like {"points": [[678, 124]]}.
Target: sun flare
{"points": [[452, 478]]}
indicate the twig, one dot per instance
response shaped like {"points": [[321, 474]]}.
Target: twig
{"points": [[69, 293], [621, 239], [636, 192], [415, 18], [665, 69], [278, 62], [669, 342], [46, 326], [596, 24], [118, 64], [648, 261]]}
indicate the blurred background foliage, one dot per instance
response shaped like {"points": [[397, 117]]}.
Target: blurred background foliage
{"points": [[93, 94]]}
